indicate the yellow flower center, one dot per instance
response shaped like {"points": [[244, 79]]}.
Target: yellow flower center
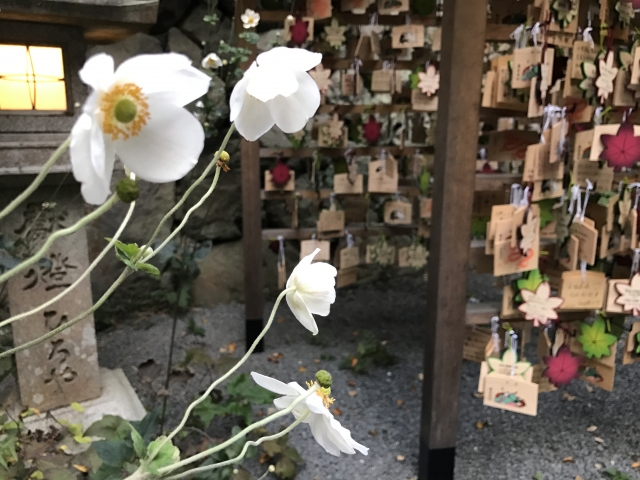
{"points": [[125, 111], [323, 393]]}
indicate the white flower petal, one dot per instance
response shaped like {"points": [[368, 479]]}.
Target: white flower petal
{"points": [[167, 148], [305, 262], [308, 94], [97, 72], [169, 74], [342, 437], [254, 120], [273, 385], [239, 93], [319, 432], [269, 82], [95, 187], [288, 114], [294, 58], [301, 312]]}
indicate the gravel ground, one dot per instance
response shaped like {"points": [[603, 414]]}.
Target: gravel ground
{"points": [[511, 446]]}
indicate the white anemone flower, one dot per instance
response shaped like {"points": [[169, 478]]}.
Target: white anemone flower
{"points": [[327, 431], [276, 90], [313, 290], [211, 61], [250, 18], [135, 112]]}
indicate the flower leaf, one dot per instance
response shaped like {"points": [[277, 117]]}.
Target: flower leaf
{"points": [[138, 444], [530, 281], [150, 269], [595, 341], [168, 455]]}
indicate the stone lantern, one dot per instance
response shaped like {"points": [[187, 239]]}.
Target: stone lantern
{"points": [[42, 48]]}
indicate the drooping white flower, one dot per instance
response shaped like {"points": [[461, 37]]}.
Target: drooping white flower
{"points": [[250, 18], [212, 61], [276, 90], [315, 292], [327, 431], [135, 112]]}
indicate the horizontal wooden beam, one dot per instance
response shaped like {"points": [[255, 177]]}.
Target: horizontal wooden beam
{"points": [[325, 193], [339, 152], [371, 65], [355, 230], [278, 16]]}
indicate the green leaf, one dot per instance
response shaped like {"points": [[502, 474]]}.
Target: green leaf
{"points": [[148, 426], [595, 341], [285, 469], [109, 427], [77, 407], [242, 386], [292, 454], [150, 269], [272, 447], [250, 37], [105, 472], [138, 444], [168, 455], [113, 452], [546, 212], [638, 343], [207, 410], [197, 356], [195, 329], [425, 181]]}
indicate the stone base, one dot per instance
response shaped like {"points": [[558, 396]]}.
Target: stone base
{"points": [[118, 398]]}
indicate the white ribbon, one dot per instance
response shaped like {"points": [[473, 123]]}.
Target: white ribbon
{"points": [[535, 31], [597, 116], [586, 199], [524, 201], [281, 250], [586, 36], [515, 198], [550, 115], [514, 349], [574, 203], [520, 37], [583, 270], [563, 135], [495, 324], [350, 242]]}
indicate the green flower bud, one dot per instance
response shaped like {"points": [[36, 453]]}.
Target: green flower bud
{"points": [[324, 379], [128, 190]]}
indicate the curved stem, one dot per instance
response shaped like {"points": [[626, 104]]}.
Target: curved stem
{"points": [[225, 376], [243, 434], [58, 234], [126, 272], [188, 192], [187, 215], [36, 181], [84, 275]]}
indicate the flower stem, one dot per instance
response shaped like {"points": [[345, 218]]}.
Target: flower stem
{"points": [[36, 181], [127, 271], [198, 181], [84, 275], [187, 215], [241, 435], [225, 376], [59, 234]]}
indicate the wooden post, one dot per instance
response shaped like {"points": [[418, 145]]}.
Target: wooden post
{"points": [[464, 23], [252, 241], [251, 213]]}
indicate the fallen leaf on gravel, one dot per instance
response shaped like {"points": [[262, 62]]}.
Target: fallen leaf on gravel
{"points": [[316, 360], [568, 460], [479, 425], [579, 478], [356, 333], [281, 320], [635, 465], [275, 357], [354, 362], [589, 388], [82, 468], [351, 383], [232, 347], [373, 433], [568, 397], [163, 392], [384, 343], [337, 412], [598, 466], [302, 369], [421, 376], [478, 395], [352, 393], [598, 439], [592, 429], [265, 457], [400, 458], [399, 402]]}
